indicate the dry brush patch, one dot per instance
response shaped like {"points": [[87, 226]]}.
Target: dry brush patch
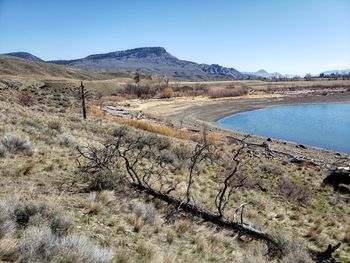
{"points": [[151, 178], [43, 236], [54, 164]]}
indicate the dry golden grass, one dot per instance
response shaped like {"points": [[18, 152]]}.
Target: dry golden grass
{"points": [[50, 171], [94, 208], [143, 125], [136, 222], [106, 197]]}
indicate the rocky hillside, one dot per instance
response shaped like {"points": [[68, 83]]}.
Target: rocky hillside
{"points": [[152, 60]]}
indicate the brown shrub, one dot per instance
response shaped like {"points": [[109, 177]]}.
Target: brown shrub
{"points": [[94, 208], [142, 91], [230, 91], [271, 169], [292, 191], [25, 99], [196, 90], [168, 92]]}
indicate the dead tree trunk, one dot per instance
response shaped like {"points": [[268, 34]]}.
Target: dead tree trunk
{"points": [[325, 256], [273, 247], [83, 93]]}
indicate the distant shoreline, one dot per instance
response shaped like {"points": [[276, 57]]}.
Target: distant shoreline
{"points": [[285, 105], [216, 112], [193, 114], [292, 123]]}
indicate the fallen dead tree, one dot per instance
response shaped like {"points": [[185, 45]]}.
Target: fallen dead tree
{"points": [[147, 160], [241, 229]]}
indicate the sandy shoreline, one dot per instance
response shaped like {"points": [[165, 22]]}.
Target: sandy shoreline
{"points": [[193, 113], [213, 113]]}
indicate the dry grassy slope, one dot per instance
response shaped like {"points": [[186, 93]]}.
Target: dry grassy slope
{"points": [[21, 67], [46, 176]]}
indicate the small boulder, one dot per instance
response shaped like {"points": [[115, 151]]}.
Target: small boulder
{"points": [[301, 146], [343, 188], [339, 179], [265, 145], [296, 160]]}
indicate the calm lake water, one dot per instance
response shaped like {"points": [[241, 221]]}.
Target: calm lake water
{"points": [[321, 125]]}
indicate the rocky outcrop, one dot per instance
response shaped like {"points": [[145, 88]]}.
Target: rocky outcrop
{"points": [[339, 179]]}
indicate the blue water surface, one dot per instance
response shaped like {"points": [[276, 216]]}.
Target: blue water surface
{"points": [[321, 125]]}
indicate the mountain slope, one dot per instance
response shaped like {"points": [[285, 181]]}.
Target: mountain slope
{"points": [[23, 67], [24, 55], [152, 60]]}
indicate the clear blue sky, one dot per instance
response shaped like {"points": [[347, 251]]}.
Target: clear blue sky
{"points": [[288, 36]]}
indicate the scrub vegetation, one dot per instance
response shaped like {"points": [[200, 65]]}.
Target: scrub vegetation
{"points": [[114, 190]]}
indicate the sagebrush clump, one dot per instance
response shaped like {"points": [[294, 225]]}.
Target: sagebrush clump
{"points": [[145, 211], [15, 144], [40, 244], [2, 150], [43, 235]]}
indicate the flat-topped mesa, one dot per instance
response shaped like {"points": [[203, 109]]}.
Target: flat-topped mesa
{"points": [[136, 52], [151, 61]]}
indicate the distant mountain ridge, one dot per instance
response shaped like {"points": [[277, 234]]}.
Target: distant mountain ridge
{"points": [[264, 74], [157, 61], [24, 55], [337, 72], [152, 60]]}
